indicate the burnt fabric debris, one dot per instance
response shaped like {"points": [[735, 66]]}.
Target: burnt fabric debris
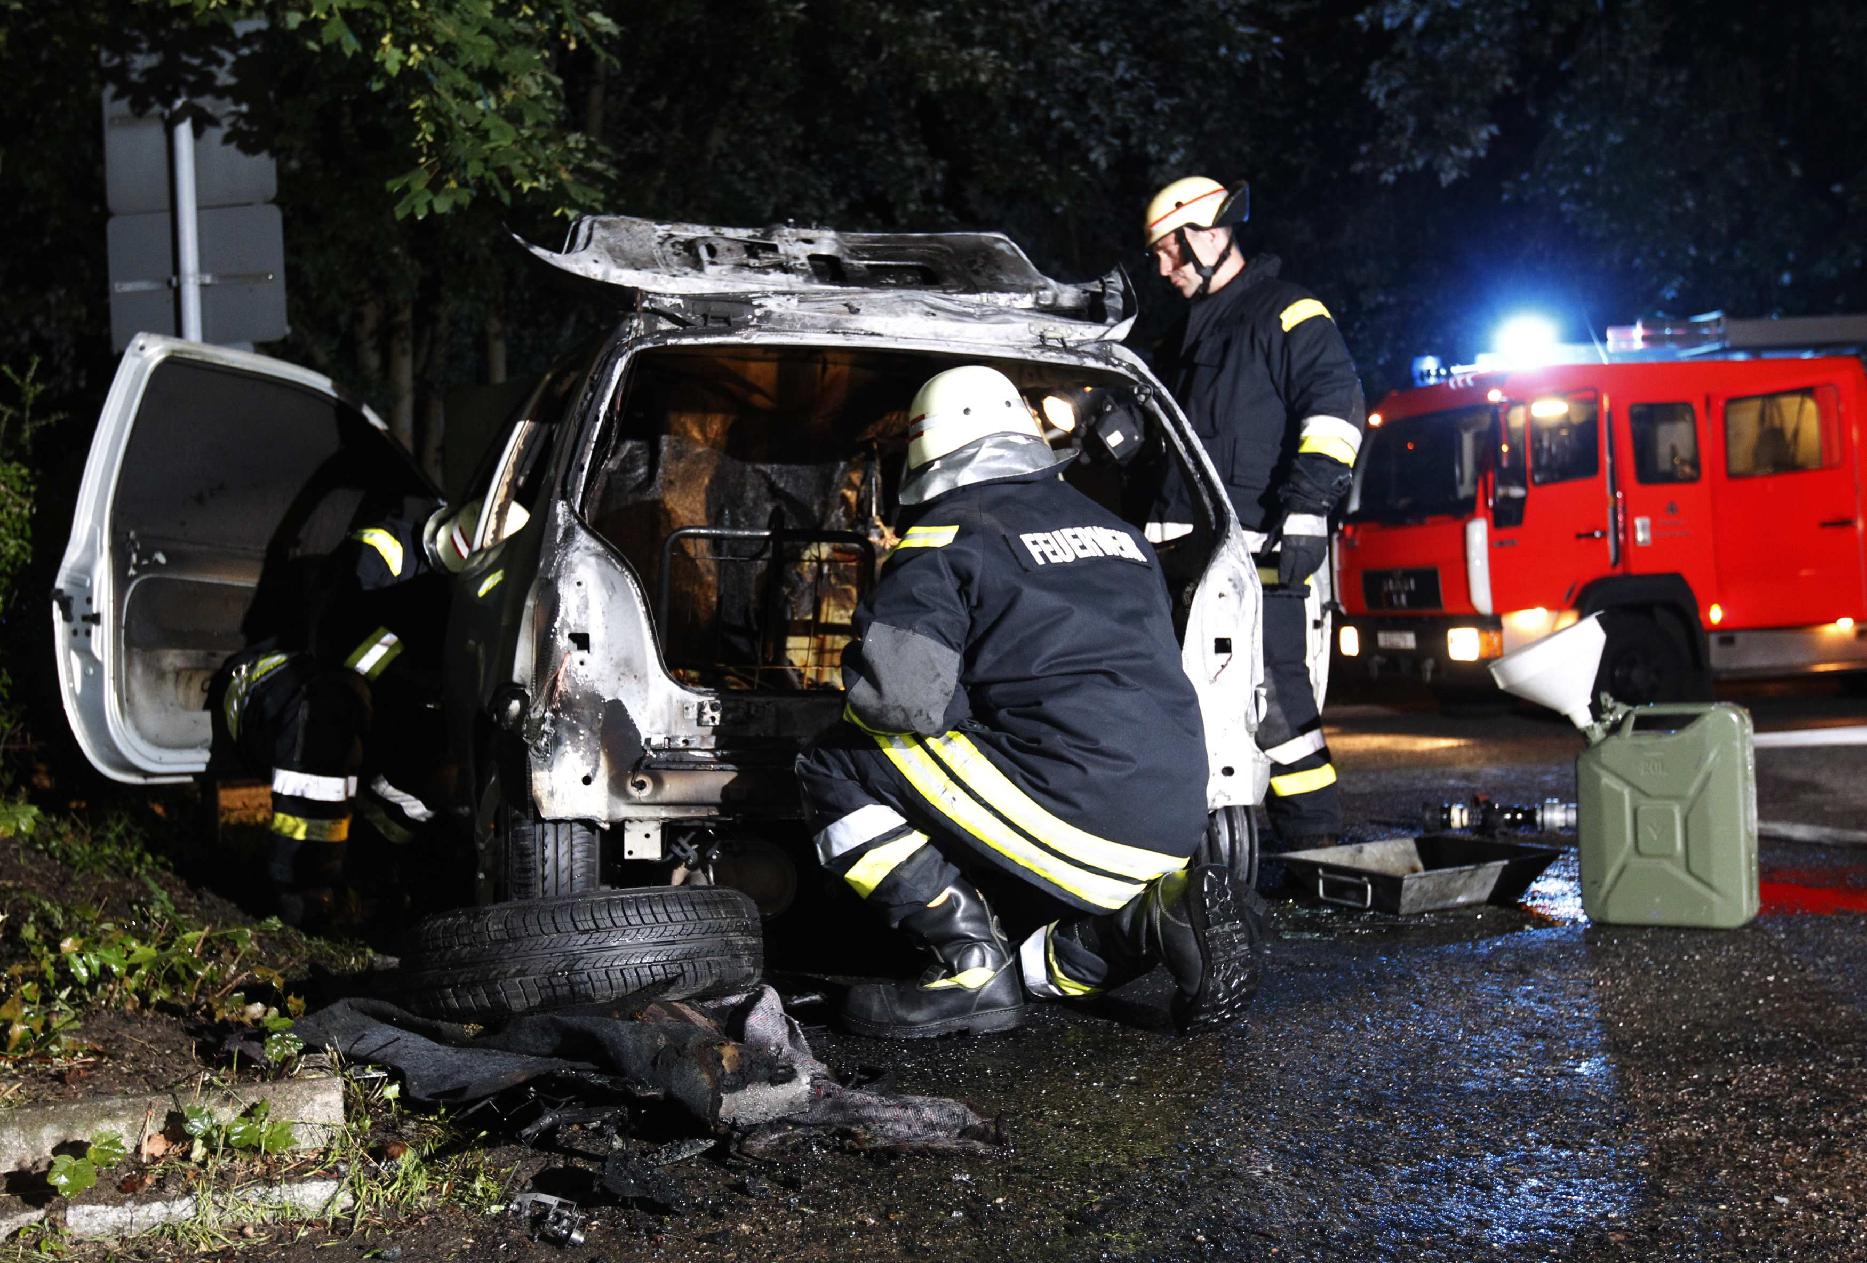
{"points": [[739, 1064]]}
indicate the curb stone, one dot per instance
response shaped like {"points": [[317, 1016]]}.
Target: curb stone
{"points": [[29, 1133]]}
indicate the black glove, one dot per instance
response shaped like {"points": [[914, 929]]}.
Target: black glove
{"points": [[1305, 546]]}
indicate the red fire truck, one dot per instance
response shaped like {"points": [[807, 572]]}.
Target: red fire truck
{"points": [[1699, 484]]}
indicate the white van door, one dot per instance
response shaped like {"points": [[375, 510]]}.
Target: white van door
{"points": [[217, 482]]}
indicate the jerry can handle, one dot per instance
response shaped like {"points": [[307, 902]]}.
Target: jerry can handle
{"points": [[1350, 884], [1635, 714]]}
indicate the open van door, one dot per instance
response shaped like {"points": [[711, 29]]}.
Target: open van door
{"points": [[217, 482]]}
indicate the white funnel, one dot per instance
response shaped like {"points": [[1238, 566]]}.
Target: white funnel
{"points": [[1557, 671]]}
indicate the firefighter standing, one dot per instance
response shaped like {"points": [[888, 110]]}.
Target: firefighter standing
{"points": [[1016, 703], [1266, 380], [344, 715]]}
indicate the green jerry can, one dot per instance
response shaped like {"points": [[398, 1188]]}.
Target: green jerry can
{"points": [[1667, 818]]}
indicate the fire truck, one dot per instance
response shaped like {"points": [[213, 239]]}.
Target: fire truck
{"points": [[1697, 483]]}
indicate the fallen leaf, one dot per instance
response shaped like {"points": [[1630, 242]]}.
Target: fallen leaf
{"points": [[394, 1151], [134, 1182], [155, 1145]]}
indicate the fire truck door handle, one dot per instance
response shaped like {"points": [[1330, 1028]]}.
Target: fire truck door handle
{"points": [[1596, 534], [1839, 521]]}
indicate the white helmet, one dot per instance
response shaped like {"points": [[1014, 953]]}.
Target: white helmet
{"points": [[963, 404], [1195, 202]]}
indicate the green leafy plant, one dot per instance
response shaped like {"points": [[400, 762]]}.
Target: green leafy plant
{"points": [[70, 958], [253, 1131], [70, 1175]]}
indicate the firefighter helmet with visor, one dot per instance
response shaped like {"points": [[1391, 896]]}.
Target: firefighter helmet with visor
{"points": [[960, 406]]}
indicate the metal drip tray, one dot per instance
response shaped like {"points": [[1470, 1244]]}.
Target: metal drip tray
{"points": [[1435, 870]]}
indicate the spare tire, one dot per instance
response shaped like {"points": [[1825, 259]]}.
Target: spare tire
{"points": [[668, 943]]}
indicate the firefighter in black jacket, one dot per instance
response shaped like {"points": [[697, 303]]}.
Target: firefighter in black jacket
{"points": [[1016, 702], [1266, 380], [343, 713]]}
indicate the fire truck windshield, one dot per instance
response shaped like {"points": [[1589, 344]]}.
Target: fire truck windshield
{"points": [[1416, 467]]}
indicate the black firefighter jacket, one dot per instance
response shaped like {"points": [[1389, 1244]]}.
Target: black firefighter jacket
{"points": [[384, 606], [1263, 375], [1033, 623]]}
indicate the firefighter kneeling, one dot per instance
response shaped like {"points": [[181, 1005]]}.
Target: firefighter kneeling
{"points": [[1016, 703]]}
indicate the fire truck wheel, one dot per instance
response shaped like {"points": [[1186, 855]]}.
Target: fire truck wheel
{"points": [[665, 943], [1644, 661]]}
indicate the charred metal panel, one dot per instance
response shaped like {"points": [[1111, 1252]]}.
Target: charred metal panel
{"points": [[595, 649], [672, 258]]}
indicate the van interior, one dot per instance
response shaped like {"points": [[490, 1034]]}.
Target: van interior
{"points": [[754, 490]]}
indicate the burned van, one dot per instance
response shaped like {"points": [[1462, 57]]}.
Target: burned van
{"points": [[675, 529]]}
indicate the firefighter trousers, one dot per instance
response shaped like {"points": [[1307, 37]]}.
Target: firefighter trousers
{"points": [[900, 838], [1303, 802]]}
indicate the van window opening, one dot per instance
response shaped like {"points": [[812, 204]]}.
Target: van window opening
{"points": [[750, 486]]}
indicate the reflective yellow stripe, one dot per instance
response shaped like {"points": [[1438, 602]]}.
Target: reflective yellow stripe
{"points": [[1299, 311], [943, 794], [1062, 981], [1330, 445], [490, 582], [388, 545], [1268, 574], [985, 780], [927, 537], [869, 871], [371, 658], [1292, 783], [304, 830], [966, 979]]}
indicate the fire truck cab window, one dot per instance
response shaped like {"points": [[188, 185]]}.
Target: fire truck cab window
{"points": [[1782, 433], [1665, 442], [1565, 438]]}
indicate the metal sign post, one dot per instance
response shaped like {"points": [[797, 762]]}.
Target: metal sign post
{"points": [[187, 227], [196, 246]]}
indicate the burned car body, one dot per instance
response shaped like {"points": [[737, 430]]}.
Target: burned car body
{"points": [[675, 530]]}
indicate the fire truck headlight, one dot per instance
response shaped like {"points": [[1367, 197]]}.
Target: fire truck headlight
{"points": [[1348, 638], [1523, 626], [1472, 644]]}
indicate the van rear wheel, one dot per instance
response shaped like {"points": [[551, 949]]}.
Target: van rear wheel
{"points": [[1232, 842]]}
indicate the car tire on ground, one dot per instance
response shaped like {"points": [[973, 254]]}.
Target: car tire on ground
{"points": [[1232, 842], [670, 943], [542, 859]]}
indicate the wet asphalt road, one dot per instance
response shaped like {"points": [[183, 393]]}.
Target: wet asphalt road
{"points": [[1509, 1083]]}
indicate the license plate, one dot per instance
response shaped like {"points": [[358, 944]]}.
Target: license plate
{"points": [[1394, 640]]}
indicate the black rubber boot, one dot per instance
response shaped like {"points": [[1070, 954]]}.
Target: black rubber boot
{"points": [[1207, 929], [972, 988]]}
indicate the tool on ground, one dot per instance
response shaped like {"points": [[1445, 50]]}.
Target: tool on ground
{"points": [[1424, 874], [553, 1219], [1485, 815]]}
